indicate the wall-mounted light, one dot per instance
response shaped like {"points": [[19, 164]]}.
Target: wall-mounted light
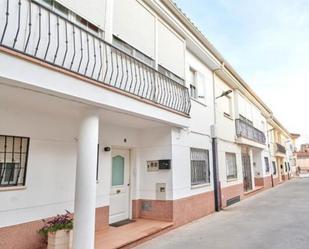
{"points": [[225, 93], [107, 149]]}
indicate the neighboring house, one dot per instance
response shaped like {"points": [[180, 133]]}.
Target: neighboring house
{"points": [[114, 110], [302, 159], [292, 153]]}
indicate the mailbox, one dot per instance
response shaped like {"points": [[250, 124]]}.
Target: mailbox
{"points": [[165, 164]]}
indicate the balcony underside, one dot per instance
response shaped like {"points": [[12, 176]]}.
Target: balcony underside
{"points": [[248, 142], [17, 72]]}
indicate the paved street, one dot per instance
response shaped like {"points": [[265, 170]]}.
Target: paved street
{"points": [[277, 218]]}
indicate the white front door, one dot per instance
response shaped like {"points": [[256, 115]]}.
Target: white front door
{"points": [[120, 189]]}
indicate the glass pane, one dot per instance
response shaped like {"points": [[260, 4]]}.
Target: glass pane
{"points": [[9, 172], [2, 142], [117, 171]]}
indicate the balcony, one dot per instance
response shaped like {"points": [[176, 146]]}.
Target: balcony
{"points": [[280, 148], [34, 30], [248, 131]]}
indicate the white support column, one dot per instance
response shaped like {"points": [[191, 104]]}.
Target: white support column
{"points": [[85, 184]]}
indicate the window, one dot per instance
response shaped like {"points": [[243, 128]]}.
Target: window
{"points": [[231, 166], [118, 171], [266, 164], [122, 45], [57, 7], [60, 9], [171, 75], [226, 102], [89, 26], [274, 168], [192, 81], [241, 117], [13, 160], [199, 166], [286, 166]]}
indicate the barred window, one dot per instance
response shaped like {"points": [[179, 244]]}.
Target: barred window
{"points": [[231, 165], [199, 166], [13, 160], [286, 166], [266, 164], [274, 168]]}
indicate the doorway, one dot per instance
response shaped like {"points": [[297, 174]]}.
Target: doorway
{"points": [[247, 174]]}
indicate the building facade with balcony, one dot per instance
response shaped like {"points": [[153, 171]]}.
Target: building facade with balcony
{"points": [[110, 111]]}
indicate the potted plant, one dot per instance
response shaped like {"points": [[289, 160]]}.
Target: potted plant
{"points": [[58, 231]]}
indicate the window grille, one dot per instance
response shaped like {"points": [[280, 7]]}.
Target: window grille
{"points": [[13, 160], [200, 173], [231, 165], [274, 168], [266, 164]]}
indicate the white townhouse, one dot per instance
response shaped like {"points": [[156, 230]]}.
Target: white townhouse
{"points": [[118, 110]]}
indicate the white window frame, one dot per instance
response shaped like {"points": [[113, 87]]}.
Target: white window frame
{"points": [[199, 159], [267, 165], [74, 17], [193, 85], [14, 154], [228, 114], [231, 176], [127, 48]]}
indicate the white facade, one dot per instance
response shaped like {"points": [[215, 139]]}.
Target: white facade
{"points": [[138, 98]]}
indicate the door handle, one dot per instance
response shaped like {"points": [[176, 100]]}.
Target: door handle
{"points": [[118, 191]]}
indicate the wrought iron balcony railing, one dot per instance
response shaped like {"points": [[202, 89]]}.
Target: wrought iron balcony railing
{"points": [[280, 148], [35, 30], [248, 131]]}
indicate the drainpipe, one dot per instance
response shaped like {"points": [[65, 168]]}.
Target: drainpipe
{"points": [[216, 180], [270, 155]]}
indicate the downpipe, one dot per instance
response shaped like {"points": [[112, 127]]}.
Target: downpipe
{"points": [[216, 180]]}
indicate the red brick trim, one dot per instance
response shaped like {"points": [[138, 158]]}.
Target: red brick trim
{"points": [[193, 207], [25, 236], [179, 211], [265, 182], [276, 180], [231, 192]]}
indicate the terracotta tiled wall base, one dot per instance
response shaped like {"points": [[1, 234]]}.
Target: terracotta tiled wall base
{"points": [[179, 211], [285, 177], [153, 209], [231, 192], [25, 236], [265, 182], [101, 218], [192, 208], [276, 181]]}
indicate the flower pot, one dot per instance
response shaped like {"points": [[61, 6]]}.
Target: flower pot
{"points": [[61, 239]]}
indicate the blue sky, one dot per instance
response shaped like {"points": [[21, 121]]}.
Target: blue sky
{"points": [[267, 42]]}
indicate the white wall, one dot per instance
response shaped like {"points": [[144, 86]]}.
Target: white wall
{"points": [[182, 142], [155, 144], [51, 165], [197, 136]]}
